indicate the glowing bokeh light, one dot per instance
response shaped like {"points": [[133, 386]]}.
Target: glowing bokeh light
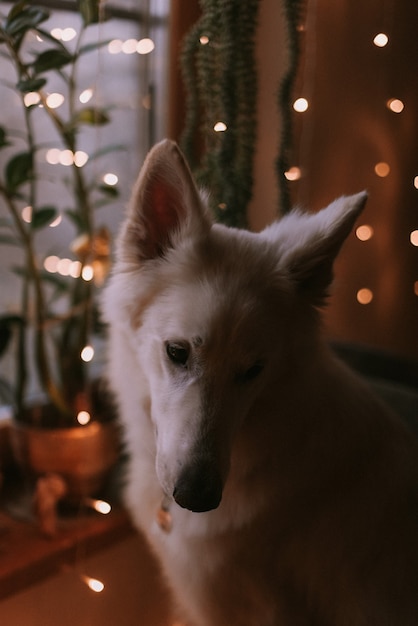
{"points": [[293, 173], [301, 105], [395, 105], [87, 354], [381, 40], [364, 232], [145, 46], [220, 127], [364, 296], [382, 169], [83, 418]]}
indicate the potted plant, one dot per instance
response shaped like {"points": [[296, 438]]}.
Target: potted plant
{"points": [[52, 332]]}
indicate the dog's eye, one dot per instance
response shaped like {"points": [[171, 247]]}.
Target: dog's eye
{"points": [[251, 373], [178, 353]]}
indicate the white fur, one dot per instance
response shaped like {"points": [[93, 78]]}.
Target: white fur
{"points": [[317, 525]]}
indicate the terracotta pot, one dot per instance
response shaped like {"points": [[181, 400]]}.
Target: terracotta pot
{"points": [[83, 456]]}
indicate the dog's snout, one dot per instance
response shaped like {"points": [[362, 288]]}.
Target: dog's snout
{"points": [[199, 488]]}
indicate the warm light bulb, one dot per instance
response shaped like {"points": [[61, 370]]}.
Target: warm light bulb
{"points": [[67, 34], [101, 506], [129, 46], [416, 182], [83, 418], [293, 173], [395, 105], [27, 214], [66, 157], [75, 269], [87, 273], [31, 98], [204, 40], [364, 232], [381, 40], [56, 222], [145, 46], [64, 267], [413, 237], [220, 127], [87, 354], [110, 179], [94, 584], [301, 105], [51, 263], [364, 296], [382, 169], [85, 96], [115, 46], [80, 158], [53, 156]]}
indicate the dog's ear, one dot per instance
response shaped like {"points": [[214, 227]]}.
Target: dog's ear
{"points": [[165, 202], [309, 243]]}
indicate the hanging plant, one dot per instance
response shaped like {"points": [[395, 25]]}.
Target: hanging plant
{"points": [[220, 128]]}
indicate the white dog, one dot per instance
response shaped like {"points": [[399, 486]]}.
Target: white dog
{"points": [[272, 485]]}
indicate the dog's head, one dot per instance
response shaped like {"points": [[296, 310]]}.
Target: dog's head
{"points": [[215, 315]]}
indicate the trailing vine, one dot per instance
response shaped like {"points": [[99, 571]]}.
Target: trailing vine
{"points": [[220, 78]]}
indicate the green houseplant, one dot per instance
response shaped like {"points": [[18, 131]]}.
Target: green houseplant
{"points": [[57, 315]]}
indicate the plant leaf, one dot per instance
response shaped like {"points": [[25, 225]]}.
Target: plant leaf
{"points": [[90, 47], [6, 329], [52, 59], [89, 10], [21, 19], [18, 170], [91, 116], [43, 216], [9, 240], [109, 190], [3, 138], [31, 84]]}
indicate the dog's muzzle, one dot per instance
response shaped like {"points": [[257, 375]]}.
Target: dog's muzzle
{"points": [[199, 488]]}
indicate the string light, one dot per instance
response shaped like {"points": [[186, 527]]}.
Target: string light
{"points": [[93, 583], [364, 232], [115, 46], [31, 98], [86, 96], [55, 100], [27, 214], [87, 354], [413, 237], [395, 105], [145, 46], [382, 169], [381, 40], [110, 179], [204, 40], [220, 127], [56, 222], [83, 418], [364, 295], [301, 105], [129, 46], [293, 173], [416, 182], [101, 506], [87, 273]]}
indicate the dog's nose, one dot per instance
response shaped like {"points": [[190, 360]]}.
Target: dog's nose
{"points": [[199, 488]]}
